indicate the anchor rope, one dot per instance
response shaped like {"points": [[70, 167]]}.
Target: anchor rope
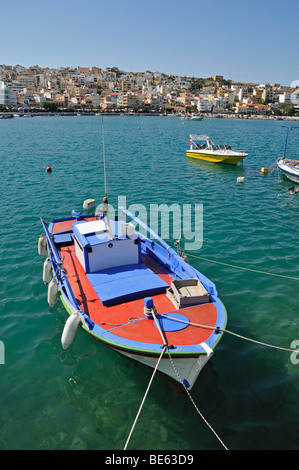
{"points": [[143, 400], [245, 269], [194, 404]]}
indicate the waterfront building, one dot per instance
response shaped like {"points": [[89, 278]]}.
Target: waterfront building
{"points": [[252, 108], [204, 106], [7, 96], [285, 98]]}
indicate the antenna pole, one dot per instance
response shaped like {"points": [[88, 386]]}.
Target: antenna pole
{"points": [[105, 199], [104, 157]]}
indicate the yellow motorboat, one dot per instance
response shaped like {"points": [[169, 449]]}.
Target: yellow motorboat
{"points": [[210, 152]]}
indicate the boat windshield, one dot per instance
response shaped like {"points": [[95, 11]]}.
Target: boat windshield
{"points": [[219, 147]]}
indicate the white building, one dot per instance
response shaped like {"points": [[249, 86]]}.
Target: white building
{"points": [[220, 103], [285, 98], [7, 97], [96, 100], [204, 106]]}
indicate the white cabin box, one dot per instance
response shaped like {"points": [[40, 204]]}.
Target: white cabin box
{"points": [[96, 251]]}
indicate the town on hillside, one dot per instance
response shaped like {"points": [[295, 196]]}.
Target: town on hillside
{"points": [[84, 89]]}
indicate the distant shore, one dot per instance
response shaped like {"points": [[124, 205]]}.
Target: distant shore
{"points": [[11, 115]]}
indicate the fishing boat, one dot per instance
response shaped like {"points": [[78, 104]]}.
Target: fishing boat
{"points": [[210, 152], [133, 293], [289, 167]]}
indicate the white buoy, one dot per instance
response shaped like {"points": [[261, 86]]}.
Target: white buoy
{"points": [[47, 271], [240, 179], [70, 329], [52, 292], [89, 204], [42, 245]]}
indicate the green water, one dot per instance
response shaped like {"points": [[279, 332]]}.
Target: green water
{"points": [[87, 397]]}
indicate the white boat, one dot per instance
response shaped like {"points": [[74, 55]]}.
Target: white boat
{"points": [[192, 117], [289, 167]]}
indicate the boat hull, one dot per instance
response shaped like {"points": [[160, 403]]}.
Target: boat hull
{"points": [[288, 170], [182, 368], [213, 157]]}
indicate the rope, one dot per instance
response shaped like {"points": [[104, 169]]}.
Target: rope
{"points": [[165, 346], [130, 320], [143, 400], [194, 404], [229, 332], [245, 269]]}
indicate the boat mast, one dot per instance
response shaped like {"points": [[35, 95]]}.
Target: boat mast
{"points": [[289, 128], [105, 198], [104, 158], [286, 141]]}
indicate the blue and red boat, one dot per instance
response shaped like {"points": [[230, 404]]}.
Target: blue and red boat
{"points": [[133, 293]]}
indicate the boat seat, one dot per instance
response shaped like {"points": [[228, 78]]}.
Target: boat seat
{"points": [[124, 283], [63, 238]]}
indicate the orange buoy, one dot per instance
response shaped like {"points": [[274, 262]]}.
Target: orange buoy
{"points": [[49, 169]]}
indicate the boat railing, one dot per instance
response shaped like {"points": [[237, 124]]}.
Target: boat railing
{"points": [[58, 267]]}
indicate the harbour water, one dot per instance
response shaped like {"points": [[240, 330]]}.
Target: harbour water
{"points": [[88, 396]]}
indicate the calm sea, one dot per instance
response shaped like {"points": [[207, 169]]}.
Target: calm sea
{"points": [[88, 396]]}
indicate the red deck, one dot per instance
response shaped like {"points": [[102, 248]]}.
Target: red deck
{"points": [[118, 317]]}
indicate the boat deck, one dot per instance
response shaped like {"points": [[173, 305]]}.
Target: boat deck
{"points": [[294, 163], [123, 319]]}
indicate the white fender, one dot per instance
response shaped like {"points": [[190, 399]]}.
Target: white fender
{"points": [[70, 329], [42, 245], [47, 271], [52, 292]]}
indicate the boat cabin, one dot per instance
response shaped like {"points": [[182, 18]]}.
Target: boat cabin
{"points": [[113, 264], [96, 251]]}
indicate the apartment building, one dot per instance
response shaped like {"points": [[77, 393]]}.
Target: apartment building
{"points": [[204, 106], [7, 97]]}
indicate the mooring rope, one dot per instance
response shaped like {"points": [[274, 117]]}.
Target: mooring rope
{"points": [[227, 331], [145, 395], [166, 347], [194, 404], [245, 269]]}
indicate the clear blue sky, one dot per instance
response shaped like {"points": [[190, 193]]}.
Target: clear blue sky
{"points": [[243, 40]]}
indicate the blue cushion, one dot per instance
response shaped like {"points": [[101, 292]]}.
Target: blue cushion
{"points": [[65, 237], [124, 283]]}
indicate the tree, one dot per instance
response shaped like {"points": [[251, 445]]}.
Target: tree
{"points": [[50, 106], [287, 109], [196, 84]]}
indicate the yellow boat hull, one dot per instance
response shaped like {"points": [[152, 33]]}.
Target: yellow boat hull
{"points": [[213, 157]]}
